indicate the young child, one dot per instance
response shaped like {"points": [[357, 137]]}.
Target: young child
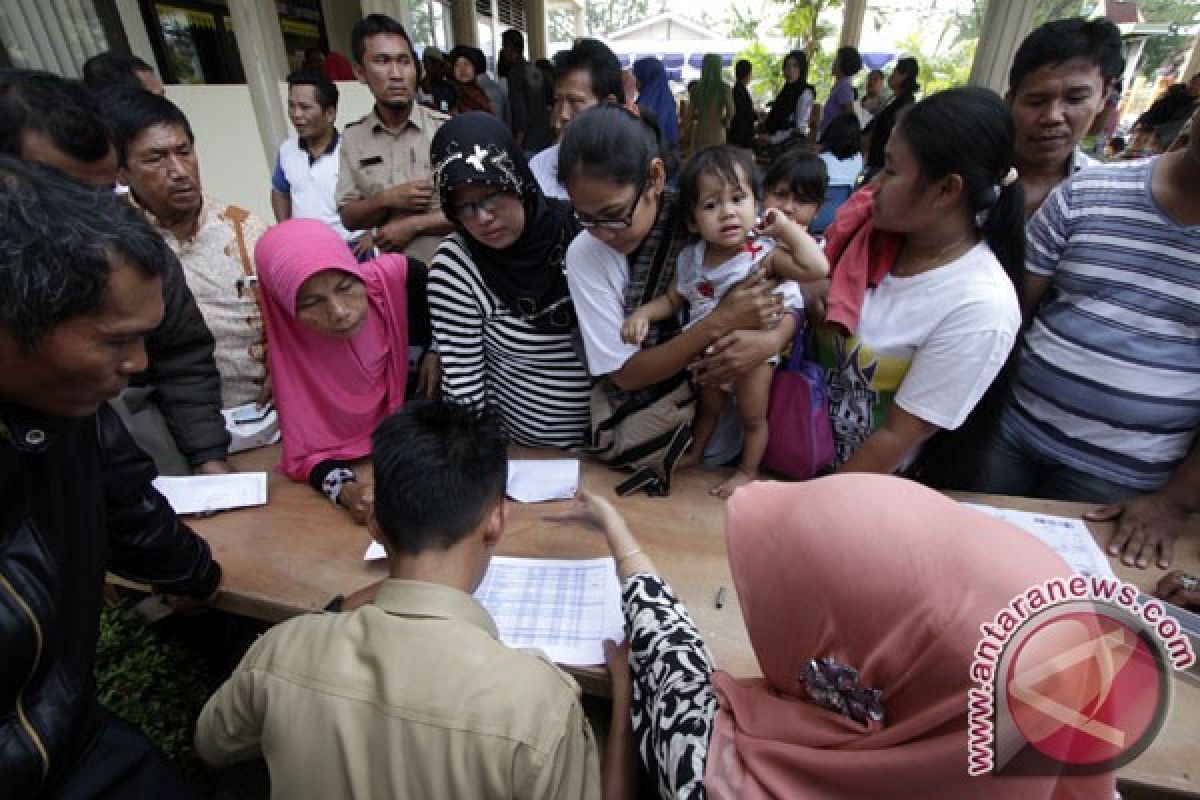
{"points": [[717, 191], [795, 184]]}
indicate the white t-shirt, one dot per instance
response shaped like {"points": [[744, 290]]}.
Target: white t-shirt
{"points": [[932, 343], [842, 171], [597, 277], [544, 167], [703, 287]]}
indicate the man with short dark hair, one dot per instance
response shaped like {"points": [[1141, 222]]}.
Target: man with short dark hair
{"points": [[80, 275], [529, 95], [109, 70], [584, 76], [214, 241], [385, 181], [306, 168], [1105, 406], [50, 120], [414, 696], [1060, 77]]}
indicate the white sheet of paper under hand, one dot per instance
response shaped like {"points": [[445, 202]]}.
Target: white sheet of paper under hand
{"points": [[1067, 536], [539, 480], [197, 494]]}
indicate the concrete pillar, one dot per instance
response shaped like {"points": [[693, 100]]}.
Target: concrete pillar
{"points": [[535, 23], [464, 23], [580, 21], [340, 16], [135, 30], [396, 9], [1005, 23], [264, 60], [852, 22]]}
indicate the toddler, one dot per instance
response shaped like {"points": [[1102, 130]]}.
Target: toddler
{"points": [[795, 184], [718, 192]]}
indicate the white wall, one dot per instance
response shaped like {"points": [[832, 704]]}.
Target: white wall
{"points": [[232, 165]]}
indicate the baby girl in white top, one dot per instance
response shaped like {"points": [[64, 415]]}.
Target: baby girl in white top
{"points": [[718, 192]]}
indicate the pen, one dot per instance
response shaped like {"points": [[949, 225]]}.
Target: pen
{"points": [[719, 600]]}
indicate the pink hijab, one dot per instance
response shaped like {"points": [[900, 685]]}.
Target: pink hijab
{"points": [[331, 393], [897, 588]]}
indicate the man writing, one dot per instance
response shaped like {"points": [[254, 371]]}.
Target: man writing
{"points": [[413, 695], [81, 274], [385, 179]]}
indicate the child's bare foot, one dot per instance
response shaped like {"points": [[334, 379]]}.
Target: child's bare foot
{"points": [[726, 487]]}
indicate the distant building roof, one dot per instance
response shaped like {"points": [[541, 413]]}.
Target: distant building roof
{"points": [[669, 26]]}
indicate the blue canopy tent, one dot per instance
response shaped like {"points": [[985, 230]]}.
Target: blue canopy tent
{"points": [[877, 60]]}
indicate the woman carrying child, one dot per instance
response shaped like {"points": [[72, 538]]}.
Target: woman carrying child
{"points": [[718, 197], [611, 164]]}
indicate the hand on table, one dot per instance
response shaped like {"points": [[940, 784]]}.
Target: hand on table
{"points": [[1180, 589], [358, 499], [1146, 525], [215, 467]]}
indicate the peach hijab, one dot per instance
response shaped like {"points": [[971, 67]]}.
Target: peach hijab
{"points": [[894, 580]]}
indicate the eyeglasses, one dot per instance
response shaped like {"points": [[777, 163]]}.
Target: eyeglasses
{"points": [[484, 205], [619, 224]]}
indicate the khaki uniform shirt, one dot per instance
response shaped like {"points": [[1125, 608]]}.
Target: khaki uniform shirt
{"points": [[213, 266], [410, 697], [375, 157]]}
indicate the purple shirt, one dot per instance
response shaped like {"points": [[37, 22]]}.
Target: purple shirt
{"points": [[841, 96]]}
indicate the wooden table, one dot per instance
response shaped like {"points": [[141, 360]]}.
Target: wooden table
{"points": [[296, 554]]}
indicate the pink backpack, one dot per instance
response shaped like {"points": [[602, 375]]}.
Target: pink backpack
{"points": [[800, 439]]}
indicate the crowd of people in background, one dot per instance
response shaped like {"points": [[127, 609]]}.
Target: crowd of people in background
{"points": [[569, 256]]}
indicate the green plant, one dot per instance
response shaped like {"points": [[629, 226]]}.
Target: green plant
{"points": [[155, 685]]}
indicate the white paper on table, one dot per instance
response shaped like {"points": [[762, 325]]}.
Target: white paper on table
{"points": [[536, 480], [1068, 537], [196, 494], [565, 608]]}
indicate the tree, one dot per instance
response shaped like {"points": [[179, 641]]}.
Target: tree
{"points": [[802, 25], [560, 25], [1169, 51], [606, 16]]}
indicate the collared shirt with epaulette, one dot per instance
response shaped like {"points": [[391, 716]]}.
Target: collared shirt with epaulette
{"points": [[375, 157]]}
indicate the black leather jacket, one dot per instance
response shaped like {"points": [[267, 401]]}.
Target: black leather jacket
{"points": [[75, 500], [180, 366]]}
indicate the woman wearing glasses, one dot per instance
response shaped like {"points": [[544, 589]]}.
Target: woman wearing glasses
{"points": [[501, 313], [611, 165]]}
